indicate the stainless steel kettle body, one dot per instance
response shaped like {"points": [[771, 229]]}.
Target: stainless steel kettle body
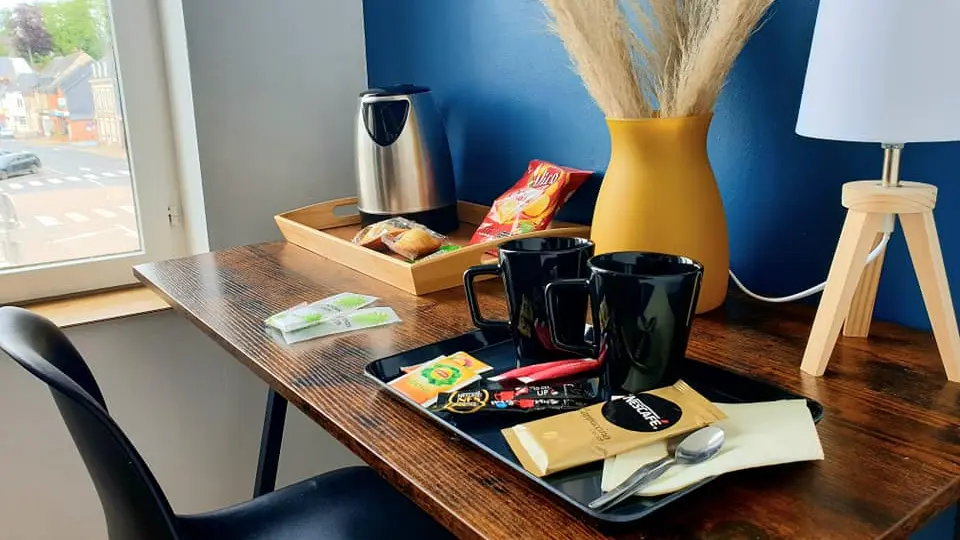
{"points": [[403, 159]]}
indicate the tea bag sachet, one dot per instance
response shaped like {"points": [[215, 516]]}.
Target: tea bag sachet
{"points": [[600, 431], [442, 374], [305, 315], [354, 320]]}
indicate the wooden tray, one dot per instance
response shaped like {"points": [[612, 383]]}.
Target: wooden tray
{"points": [[319, 229]]}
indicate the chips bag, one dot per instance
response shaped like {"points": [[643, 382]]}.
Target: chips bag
{"points": [[531, 203]]}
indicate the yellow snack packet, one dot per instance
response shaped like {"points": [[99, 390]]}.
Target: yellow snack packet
{"points": [[442, 374], [604, 430]]}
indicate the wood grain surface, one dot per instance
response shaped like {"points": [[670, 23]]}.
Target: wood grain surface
{"points": [[99, 306], [864, 299], [890, 434]]}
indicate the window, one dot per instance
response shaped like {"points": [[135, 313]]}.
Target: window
{"points": [[81, 209]]}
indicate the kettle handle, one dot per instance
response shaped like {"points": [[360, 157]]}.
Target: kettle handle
{"points": [[384, 117]]}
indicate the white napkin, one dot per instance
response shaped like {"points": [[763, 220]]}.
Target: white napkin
{"points": [[757, 435]]}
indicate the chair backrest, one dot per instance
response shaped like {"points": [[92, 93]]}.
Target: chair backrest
{"points": [[133, 504]]}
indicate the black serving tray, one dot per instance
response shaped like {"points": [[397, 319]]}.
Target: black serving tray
{"points": [[580, 485]]}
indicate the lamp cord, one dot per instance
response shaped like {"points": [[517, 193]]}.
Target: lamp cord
{"points": [[812, 290]]}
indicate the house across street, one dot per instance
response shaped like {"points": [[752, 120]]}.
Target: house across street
{"points": [[65, 110]]}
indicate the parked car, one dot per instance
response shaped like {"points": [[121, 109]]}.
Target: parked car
{"points": [[18, 163], [6, 133]]}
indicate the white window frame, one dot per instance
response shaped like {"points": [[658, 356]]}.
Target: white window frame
{"points": [[143, 78]]}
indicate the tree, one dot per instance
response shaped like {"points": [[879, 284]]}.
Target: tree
{"points": [[76, 25], [27, 33], [5, 48]]}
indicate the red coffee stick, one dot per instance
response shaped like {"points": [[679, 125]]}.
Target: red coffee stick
{"points": [[557, 372], [529, 370]]}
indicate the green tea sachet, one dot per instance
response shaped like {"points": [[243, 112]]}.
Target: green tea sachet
{"points": [[307, 315], [355, 320]]}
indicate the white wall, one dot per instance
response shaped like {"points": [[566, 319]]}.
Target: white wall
{"points": [[274, 87], [177, 60], [192, 411]]}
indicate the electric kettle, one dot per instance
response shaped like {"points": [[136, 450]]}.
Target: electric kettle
{"points": [[403, 159]]}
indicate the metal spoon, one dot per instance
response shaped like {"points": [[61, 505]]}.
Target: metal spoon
{"points": [[697, 447]]}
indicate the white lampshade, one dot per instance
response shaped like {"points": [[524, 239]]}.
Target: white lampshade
{"points": [[885, 71]]}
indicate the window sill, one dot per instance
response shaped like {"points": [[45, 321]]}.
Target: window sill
{"points": [[99, 306]]}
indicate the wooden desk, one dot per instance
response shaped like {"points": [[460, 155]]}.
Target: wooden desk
{"points": [[890, 434]]}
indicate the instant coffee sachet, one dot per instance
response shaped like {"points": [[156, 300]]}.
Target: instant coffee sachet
{"points": [[600, 431]]}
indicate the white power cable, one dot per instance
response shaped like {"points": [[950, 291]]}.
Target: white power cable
{"points": [[812, 290]]}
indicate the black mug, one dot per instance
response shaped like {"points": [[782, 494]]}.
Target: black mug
{"points": [[527, 266], [642, 305]]}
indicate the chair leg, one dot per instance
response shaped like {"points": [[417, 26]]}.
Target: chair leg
{"points": [[855, 240], [861, 307], [270, 441], [924, 245]]}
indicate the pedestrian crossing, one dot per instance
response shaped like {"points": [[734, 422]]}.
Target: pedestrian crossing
{"points": [[77, 216], [19, 184], [47, 221]]}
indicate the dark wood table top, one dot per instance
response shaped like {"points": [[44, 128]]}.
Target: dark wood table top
{"points": [[891, 433]]}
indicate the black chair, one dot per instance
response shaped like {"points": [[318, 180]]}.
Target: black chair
{"points": [[348, 503]]}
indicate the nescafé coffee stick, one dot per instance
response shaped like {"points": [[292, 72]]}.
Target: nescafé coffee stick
{"points": [[600, 431]]}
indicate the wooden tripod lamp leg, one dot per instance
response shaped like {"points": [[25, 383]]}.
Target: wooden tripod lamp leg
{"points": [[855, 242], [924, 245], [861, 308]]}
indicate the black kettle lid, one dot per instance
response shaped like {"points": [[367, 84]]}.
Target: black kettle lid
{"points": [[395, 90]]}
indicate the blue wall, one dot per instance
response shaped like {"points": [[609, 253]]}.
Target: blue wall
{"points": [[508, 95]]}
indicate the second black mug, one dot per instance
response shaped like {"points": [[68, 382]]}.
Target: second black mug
{"points": [[642, 306], [527, 265]]}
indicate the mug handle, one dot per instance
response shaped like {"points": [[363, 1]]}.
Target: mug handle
{"points": [[468, 278], [587, 349]]}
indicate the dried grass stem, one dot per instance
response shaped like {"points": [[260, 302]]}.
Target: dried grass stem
{"points": [[654, 58]]}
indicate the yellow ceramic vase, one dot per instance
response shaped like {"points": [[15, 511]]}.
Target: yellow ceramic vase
{"points": [[659, 194]]}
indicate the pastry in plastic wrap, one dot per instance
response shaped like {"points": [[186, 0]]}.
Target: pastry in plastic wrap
{"points": [[372, 235], [414, 243]]}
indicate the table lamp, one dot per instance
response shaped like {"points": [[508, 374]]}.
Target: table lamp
{"points": [[883, 71]]}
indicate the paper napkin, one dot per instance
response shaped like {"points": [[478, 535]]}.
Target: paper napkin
{"points": [[757, 435]]}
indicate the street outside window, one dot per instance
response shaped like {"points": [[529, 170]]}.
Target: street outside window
{"points": [[66, 190]]}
